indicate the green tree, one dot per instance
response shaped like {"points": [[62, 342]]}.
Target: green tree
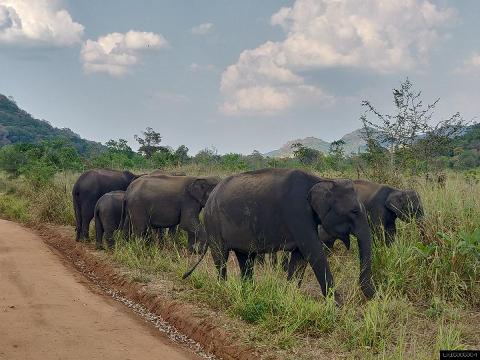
{"points": [[306, 155], [119, 146], [233, 162], [181, 155], [207, 156], [149, 143]]}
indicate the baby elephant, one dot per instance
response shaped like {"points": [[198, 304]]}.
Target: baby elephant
{"points": [[108, 213]]}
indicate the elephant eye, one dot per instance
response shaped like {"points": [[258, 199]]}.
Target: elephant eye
{"points": [[355, 211]]}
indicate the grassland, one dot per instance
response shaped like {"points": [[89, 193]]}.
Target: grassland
{"points": [[428, 287]]}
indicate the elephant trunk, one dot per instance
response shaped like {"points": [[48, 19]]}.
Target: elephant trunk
{"points": [[364, 237]]}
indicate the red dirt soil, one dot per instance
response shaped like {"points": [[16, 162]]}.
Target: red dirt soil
{"points": [[49, 311]]}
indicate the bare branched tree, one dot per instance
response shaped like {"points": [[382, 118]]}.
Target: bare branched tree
{"points": [[411, 128]]}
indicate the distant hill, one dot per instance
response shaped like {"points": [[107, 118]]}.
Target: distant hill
{"points": [[354, 143], [311, 142], [18, 126]]}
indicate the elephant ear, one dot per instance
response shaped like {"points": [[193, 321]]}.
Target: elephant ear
{"points": [[320, 198], [199, 189], [397, 203]]}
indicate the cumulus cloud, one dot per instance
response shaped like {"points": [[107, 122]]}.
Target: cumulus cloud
{"points": [[469, 66], [37, 23], [378, 35], [116, 53], [202, 29]]}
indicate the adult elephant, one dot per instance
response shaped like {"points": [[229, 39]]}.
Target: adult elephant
{"points": [[280, 209], [108, 214], [88, 188], [163, 201], [384, 204]]}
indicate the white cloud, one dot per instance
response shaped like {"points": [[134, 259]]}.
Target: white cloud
{"points": [[202, 29], [379, 35], [470, 66], [37, 23], [116, 53]]}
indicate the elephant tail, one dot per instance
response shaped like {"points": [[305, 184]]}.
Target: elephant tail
{"points": [[204, 251]]}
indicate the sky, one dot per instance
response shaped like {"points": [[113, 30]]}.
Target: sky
{"points": [[237, 75]]}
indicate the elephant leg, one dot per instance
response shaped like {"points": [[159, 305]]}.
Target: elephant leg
{"points": [[194, 228], [311, 249], [389, 233], [99, 233], [172, 231], [192, 242], [220, 258], [296, 266], [87, 216], [78, 220], [126, 226], [246, 262], [109, 239], [138, 224]]}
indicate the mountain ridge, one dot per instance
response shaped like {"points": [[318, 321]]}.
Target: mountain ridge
{"points": [[354, 143], [18, 126]]}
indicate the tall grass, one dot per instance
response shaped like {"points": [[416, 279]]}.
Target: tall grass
{"points": [[428, 284]]}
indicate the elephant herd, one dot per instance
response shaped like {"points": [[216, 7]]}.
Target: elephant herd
{"points": [[251, 213]]}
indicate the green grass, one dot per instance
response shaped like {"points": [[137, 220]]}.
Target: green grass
{"points": [[428, 286], [14, 208]]}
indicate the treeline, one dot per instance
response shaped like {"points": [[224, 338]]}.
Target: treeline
{"points": [[403, 142]]}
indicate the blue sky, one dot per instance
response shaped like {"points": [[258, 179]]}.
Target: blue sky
{"points": [[235, 75]]}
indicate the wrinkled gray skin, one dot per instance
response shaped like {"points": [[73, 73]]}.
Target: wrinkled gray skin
{"points": [[88, 188], [108, 214], [163, 201], [384, 204], [280, 209], [172, 231]]}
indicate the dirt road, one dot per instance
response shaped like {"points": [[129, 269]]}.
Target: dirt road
{"points": [[48, 311]]}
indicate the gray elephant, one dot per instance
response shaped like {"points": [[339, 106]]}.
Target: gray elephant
{"points": [[108, 214], [384, 204], [163, 201], [279, 209], [88, 188]]}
